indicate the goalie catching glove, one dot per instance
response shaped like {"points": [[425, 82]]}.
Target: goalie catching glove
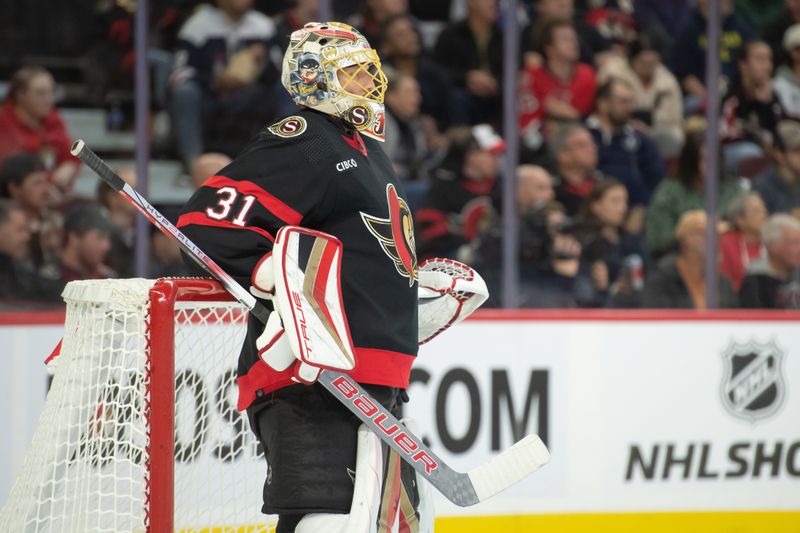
{"points": [[301, 277], [449, 292]]}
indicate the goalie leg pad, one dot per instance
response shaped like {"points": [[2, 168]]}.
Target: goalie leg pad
{"points": [[417, 511], [388, 495], [363, 516]]}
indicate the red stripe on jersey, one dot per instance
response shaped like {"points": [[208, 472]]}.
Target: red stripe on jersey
{"points": [[270, 202], [200, 219]]}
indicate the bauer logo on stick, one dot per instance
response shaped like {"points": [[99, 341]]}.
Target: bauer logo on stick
{"points": [[399, 435]]}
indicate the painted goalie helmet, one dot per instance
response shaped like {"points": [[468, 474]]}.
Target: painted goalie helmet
{"points": [[330, 67]]}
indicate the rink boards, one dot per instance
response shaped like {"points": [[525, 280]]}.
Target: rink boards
{"points": [[656, 422], [651, 418]]}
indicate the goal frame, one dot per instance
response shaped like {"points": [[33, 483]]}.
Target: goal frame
{"points": [[461, 488], [160, 347]]}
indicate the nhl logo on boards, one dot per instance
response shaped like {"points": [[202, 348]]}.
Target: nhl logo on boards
{"points": [[289, 127], [753, 387], [359, 116]]}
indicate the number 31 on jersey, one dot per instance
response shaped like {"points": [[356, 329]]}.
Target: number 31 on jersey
{"points": [[228, 196]]}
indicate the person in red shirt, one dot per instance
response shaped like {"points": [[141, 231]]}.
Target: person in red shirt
{"points": [[742, 244], [561, 88], [29, 122]]}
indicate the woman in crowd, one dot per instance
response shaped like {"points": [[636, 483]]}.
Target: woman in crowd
{"points": [[613, 257], [681, 193], [29, 122]]}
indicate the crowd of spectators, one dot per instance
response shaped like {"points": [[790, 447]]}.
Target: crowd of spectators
{"points": [[612, 172]]}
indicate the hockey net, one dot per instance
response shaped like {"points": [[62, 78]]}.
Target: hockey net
{"points": [[140, 432]]}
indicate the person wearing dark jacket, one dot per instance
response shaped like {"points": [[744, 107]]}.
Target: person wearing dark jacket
{"points": [[471, 51], [575, 154], [679, 280], [401, 49], [751, 110], [774, 282], [660, 18], [459, 204], [17, 280], [23, 180], [548, 255], [688, 61], [624, 152], [780, 188], [613, 258], [405, 143], [776, 29]]}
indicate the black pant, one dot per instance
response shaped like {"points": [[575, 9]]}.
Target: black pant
{"points": [[310, 440]]}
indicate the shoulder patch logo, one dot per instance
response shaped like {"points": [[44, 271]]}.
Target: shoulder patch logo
{"points": [[289, 127], [395, 234]]}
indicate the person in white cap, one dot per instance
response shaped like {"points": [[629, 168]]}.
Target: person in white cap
{"points": [[460, 203], [787, 77]]}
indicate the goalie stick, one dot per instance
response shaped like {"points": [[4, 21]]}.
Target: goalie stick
{"points": [[461, 488]]}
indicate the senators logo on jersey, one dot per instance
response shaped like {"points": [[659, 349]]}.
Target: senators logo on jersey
{"points": [[396, 234], [289, 127]]}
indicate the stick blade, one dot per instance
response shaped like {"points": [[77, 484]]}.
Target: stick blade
{"points": [[510, 467]]}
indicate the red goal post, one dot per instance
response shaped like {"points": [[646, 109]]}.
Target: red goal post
{"points": [[139, 431]]}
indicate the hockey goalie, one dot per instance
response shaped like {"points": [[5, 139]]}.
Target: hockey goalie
{"points": [[312, 218]]}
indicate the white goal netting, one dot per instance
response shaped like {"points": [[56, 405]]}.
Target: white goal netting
{"points": [[88, 468]]}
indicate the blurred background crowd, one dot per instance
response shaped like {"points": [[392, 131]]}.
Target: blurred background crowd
{"points": [[611, 176]]}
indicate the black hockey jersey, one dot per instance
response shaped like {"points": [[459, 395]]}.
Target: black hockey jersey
{"points": [[315, 171]]}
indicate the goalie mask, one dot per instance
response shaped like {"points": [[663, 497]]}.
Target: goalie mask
{"points": [[330, 67]]}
